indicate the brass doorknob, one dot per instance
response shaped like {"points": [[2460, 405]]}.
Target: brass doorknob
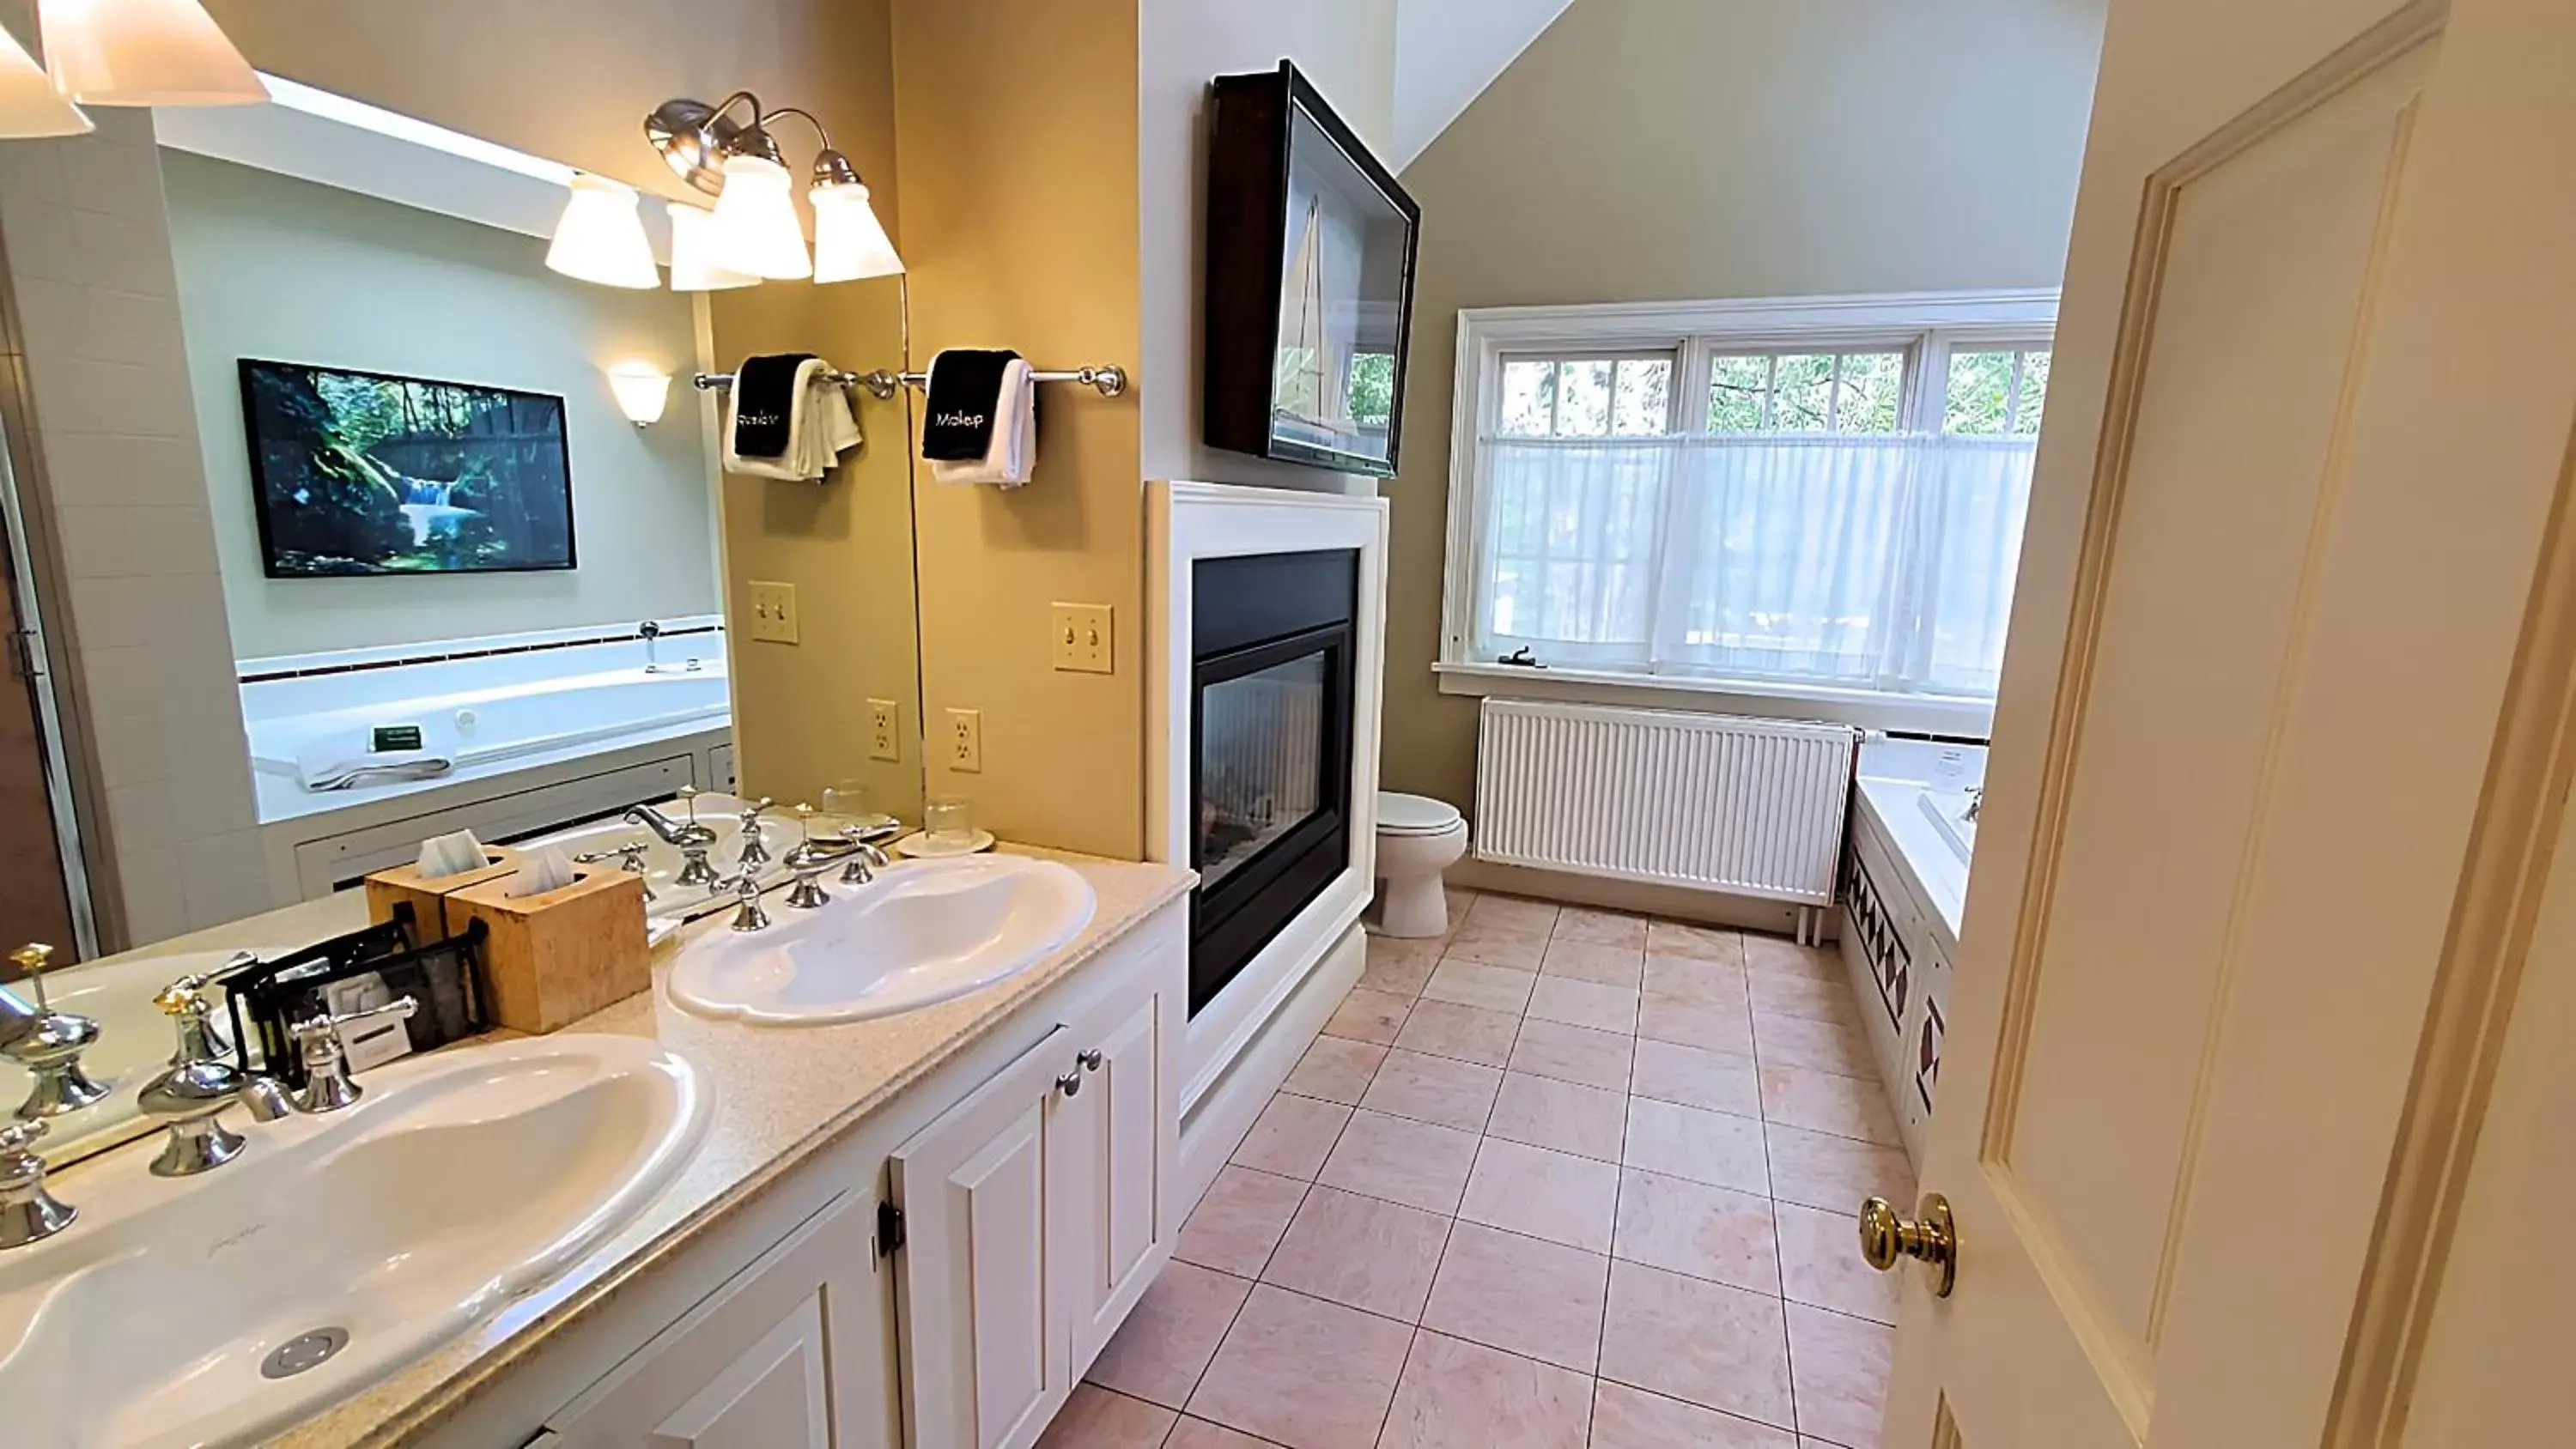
{"points": [[1886, 1238]]}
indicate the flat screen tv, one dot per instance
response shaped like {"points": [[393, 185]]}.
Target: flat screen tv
{"points": [[371, 473], [1310, 256]]}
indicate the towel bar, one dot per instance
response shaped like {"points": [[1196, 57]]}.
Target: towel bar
{"points": [[1111, 381]]}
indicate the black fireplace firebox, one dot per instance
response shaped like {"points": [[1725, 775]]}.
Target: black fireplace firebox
{"points": [[1270, 748]]}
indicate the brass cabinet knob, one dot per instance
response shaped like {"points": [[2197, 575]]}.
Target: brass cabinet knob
{"points": [[1887, 1238]]}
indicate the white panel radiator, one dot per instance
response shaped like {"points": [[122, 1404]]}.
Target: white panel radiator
{"points": [[1722, 802]]}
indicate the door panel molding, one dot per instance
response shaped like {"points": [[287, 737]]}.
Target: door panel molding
{"points": [[2522, 809]]}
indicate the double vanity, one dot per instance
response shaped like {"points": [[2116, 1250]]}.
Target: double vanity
{"points": [[889, 1169]]}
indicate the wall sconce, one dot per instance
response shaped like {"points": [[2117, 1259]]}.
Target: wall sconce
{"points": [[143, 53], [643, 391], [600, 237], [755, 227]]}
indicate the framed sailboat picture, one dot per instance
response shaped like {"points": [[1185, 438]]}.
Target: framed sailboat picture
{"points": [[1310, 257]]}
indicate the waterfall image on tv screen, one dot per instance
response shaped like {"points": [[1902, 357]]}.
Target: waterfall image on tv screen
{"points": [[369, 473]]}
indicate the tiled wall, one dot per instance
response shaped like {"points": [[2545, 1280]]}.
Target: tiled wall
{"points": [[142, 606]]}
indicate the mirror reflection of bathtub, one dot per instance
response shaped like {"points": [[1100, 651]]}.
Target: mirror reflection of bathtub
{"points": [[505, 736]]}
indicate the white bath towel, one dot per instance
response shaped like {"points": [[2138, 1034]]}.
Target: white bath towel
{"points": [[819, 429], [1013, 453]]}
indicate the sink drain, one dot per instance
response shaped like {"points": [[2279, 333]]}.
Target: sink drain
{"points": [[304, 1351]]}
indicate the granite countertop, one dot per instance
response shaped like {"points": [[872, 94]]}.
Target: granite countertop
{"points": [[778, 1096]]}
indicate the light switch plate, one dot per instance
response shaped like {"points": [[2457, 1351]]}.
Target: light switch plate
{"points": [[773, 612], [885, 719], [966, 740], [1082, 638]]}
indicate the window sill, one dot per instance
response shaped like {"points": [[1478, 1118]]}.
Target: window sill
{"points": [[1863, 709]]}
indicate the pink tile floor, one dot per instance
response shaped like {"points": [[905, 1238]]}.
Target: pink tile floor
{"points": [[1565, 1178]]}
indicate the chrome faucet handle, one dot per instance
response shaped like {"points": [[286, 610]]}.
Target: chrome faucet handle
{"points": [[694, 870], [747, 914], [325, 1054], [48, 1043], [865, 860], [755, 851], [808, 893], [629, 857], [28, 1213]]}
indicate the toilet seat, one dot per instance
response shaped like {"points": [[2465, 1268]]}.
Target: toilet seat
{"points": [[1402, 814]]}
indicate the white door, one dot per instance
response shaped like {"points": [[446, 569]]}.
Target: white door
{"points": [[2277, 759], [986, 1338], [1119, 1146], [788, 1354]]}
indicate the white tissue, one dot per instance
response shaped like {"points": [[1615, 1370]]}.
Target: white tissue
{"points": [[546, 870], [445, 855]]}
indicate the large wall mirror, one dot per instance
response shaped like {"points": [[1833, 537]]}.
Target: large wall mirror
{"points": [[478, 562]]}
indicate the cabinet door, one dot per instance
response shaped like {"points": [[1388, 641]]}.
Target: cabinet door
{"points": [[1118, 1159], [985, 1334], [789, 1354]]}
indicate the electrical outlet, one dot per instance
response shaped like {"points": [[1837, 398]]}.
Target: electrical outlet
{"points": [[1081, 633], [966, 740], [884, 717], [773, 612]]}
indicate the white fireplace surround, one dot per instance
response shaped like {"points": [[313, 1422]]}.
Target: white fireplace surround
{"points": [[1243, 1044]]}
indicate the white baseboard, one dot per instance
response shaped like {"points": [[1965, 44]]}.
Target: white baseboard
{"points": [[1713, 908], [1211, 1130]]}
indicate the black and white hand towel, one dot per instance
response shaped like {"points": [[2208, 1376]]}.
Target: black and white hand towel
{"points": [[981, 424], [787, 421]]}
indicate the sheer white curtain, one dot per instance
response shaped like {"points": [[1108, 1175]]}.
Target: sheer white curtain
{"points": [[1876, 562]]}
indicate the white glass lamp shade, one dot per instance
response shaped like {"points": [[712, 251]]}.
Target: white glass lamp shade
{"points": [[849, 241], [755, 223], [642, 390], [600, 237], [29, 104], [143, 53], [693, 253]]}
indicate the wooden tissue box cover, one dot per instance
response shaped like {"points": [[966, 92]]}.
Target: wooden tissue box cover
{"points": [[430, 918], [555, 958]]}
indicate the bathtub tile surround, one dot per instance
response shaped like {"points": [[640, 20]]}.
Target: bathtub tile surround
{"points": [[1506, 1229]]}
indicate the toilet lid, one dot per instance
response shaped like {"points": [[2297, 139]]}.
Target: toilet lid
{"points": [[1413, 814]]}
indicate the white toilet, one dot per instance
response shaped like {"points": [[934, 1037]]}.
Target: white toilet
{"points": [[1417, 838]]}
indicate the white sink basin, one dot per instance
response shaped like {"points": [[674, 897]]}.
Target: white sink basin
{"points": [[923, 932], [458, 1182]]}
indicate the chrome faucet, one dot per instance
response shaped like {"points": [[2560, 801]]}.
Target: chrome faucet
{"points": [[197, 1086], [747, 912], [28, 1213], [649, 631], [856, 844], [48, 1043], [682, 833], [1976, 802]]}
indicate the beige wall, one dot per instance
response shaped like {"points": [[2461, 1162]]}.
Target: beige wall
{"points": [[271, 266], [1016, 129], [1682, 149], [1347, 48]]}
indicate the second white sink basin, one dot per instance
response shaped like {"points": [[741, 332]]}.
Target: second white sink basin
{"points": [[923, 932], [217, 1309]]}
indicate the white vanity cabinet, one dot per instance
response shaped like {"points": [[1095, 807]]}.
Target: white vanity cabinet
{"points": [[1035, 1212], [791, 1354], [940, 1277]]}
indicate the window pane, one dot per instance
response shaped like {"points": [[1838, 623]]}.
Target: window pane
{"points": [[1642, 396], [1873, 384], [2034, 394], [1736, 386], [1583, 401], [1980, 402], [1803, 393], [1529, 398]]}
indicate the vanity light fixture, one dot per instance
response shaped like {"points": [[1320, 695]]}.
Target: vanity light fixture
{"points": [[642, 389], [756, 229], [601, 236], [693, 253], [29, 104], [143, 53]]}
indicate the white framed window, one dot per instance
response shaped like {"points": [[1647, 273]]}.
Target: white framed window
{"points": [[1800, 499]]}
